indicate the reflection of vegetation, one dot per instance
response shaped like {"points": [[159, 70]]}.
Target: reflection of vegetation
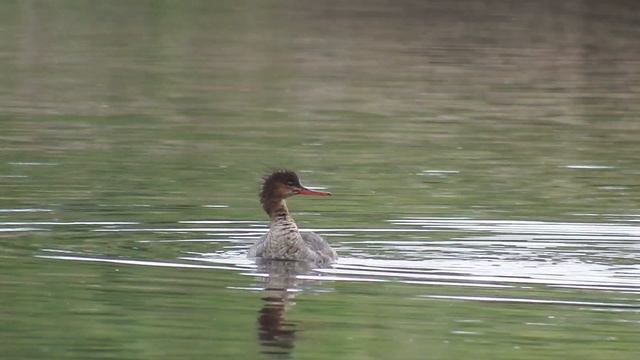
{"points": [[207, 100], [145, 111], [86, 310]]}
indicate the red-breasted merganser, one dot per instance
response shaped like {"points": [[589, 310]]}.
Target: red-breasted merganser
{"points": [[283, 241]]}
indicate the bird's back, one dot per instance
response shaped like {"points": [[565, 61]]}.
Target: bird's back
{"points": [[319, 246], [312, 249]]}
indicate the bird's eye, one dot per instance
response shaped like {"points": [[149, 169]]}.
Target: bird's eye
{"points": [[290, 183]]}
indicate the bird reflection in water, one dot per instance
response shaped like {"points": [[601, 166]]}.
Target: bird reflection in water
{"points": [[276, 334]]}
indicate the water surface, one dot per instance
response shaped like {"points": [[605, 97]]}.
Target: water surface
{"points": [[482, 156]]}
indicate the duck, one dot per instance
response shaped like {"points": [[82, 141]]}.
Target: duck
{"points": [[284, 241]]}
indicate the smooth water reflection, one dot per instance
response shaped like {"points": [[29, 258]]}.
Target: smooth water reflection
{"points": [[275, 332]]}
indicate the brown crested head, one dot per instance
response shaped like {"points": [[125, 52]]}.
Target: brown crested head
{"points": [[281, 184], [277, 185]]}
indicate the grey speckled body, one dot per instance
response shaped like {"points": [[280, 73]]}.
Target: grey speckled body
{"points": [[284, 241]]}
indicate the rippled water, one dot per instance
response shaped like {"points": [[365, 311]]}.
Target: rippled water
{"points": [[482, 156], [478, 253], [576, 279]]}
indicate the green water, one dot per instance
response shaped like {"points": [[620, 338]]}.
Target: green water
{"points": [[483, 158]]}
